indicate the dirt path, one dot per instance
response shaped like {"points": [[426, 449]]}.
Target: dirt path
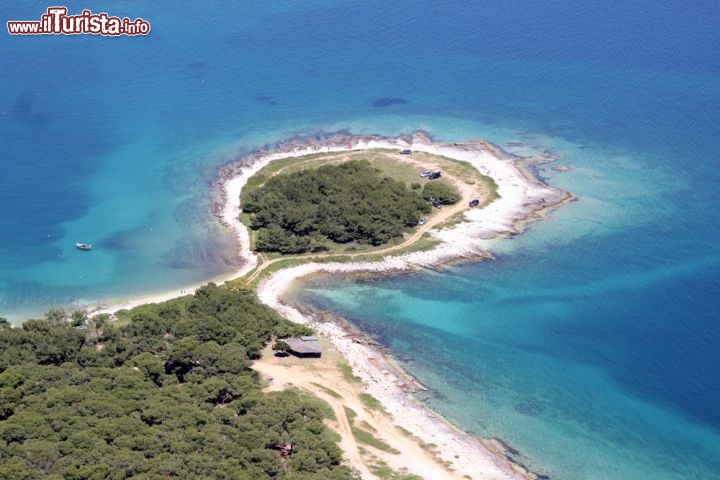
{"points": [[404, 455], [467, 193], [323, 379]]}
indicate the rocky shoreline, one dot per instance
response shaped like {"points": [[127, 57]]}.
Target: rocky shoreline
{"points": [[523, 198]]}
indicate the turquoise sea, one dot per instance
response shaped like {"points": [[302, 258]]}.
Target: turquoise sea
{"points": [[590, 344]]}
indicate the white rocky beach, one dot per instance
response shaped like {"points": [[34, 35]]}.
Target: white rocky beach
{"points": [[522, 199]]}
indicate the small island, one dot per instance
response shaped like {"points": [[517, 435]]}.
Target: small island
{"points": [[354, 201], [489, 194]]}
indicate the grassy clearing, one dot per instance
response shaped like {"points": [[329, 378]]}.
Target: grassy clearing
{"points": [[350, 413], [238, 284], [289, 262], [456, 219], [122, 318], [363, 436], [348, 373], [381, 470], [457, 168], [371, 440], [464, 170], [368, 427], [255, 181], [426, 242], [428, 446], [493, 189], [393, 168], [359, 248], [329, 391], [371, 402], [405, 432]]}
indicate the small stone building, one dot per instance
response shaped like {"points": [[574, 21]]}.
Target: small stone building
{"points": [[304, 347]]}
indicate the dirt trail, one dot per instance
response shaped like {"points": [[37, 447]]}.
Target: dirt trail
{"points": [[323, 379], [320, 376]]}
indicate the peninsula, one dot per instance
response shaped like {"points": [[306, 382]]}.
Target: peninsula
{"points": [[507, 198], [333, 204]]}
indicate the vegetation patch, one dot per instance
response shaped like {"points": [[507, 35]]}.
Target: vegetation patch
{"points": [[456, 219], [367, 426], [324, 407], [363, 436], [303, 211], [347, 372], [404, 431], [426, 242], [329, 391], [382, 470], [428, 446], [371, 440], [371, 402], [350, 413], [168, 394], [442, 192]]}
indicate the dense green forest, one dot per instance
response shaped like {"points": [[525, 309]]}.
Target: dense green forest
{"points": [[300, 211], [168, 394]]}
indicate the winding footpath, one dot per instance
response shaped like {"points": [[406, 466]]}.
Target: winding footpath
{"points": [[322, 379]]}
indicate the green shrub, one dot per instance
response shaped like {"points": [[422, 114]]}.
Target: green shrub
{"points": [[442, 192], [298, 212], [167, 394]]}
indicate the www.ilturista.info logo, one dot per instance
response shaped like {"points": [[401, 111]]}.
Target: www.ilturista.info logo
{"points": [[57, 22]]}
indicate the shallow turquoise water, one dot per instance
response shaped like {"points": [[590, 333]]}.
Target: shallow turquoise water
{"points": [[589, 344]]}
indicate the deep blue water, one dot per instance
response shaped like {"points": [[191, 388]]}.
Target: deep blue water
{"points": [[589, 343]]}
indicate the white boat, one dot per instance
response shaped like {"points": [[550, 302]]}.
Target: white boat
{"points": [[84, 246]]}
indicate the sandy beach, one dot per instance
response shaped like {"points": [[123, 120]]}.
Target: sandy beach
{"points": [[523, 198]]}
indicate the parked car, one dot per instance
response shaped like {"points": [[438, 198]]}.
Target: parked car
{"points": [[474, 202], [407, 151], [426, 173], [434, 175], [422, 221]]}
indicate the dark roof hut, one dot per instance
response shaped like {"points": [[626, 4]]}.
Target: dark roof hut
{"points": [[304, 347]]}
